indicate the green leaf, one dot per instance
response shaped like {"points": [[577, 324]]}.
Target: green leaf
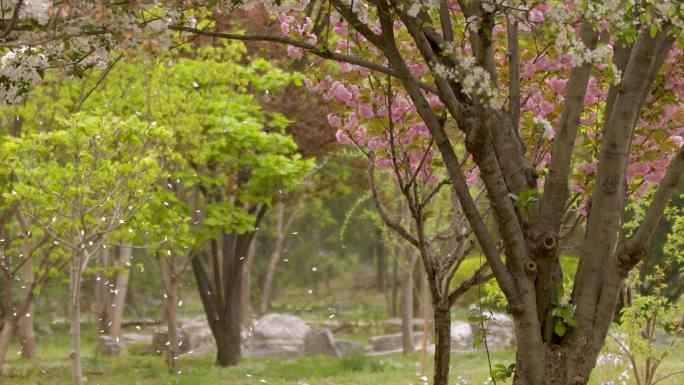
{"points": [[559, 328]]}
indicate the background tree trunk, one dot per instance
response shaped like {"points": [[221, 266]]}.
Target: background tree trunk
{"points": [[425, 312], [26, 333], [221, 296], [102, 293], [171, 320], [229, 339], [381, 264], [245, 289], [118, 301], [394, 293], [407, 304], [275, 257], [5, 294], [5, 339], [75, 318]]}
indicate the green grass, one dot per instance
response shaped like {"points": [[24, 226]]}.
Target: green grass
{"points": [[52, 365], [52, 368], [151, 370]]}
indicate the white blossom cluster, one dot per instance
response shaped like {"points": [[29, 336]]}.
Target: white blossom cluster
{"points": [[70, 46], [549, 133], [20, 69], [36, 10], [413, 7], [474, 80]]}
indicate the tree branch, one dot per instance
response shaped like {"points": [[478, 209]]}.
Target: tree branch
{"points": [[514, 71], [15, 16], [477, 278], [383, 214], [320, 52]]}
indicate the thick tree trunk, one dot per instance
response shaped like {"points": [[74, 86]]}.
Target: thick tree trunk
{"points": [[221, 298], [26, 333], [558, 362], [228, 337], [118, 301], [443, 345], [245, 289], [171, 323], [5, 339], [75, 318]]}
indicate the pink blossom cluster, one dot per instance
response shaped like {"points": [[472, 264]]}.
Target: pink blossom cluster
{"points": [[302, 30]]}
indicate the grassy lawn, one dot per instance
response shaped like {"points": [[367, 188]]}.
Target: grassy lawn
{"points": [[150, 370], [52, 368]]}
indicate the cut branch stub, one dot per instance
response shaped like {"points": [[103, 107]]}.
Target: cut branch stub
{"points": [[627, 260], [549, 242], [531, 269]]}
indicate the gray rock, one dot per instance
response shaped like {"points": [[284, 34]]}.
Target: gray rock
{"points": [[461, 336], [45, 329], [395, 324], [160, 341], [277, 335], [281, 326], [384, 352], [113, 346], [321, 342], [500, 331], [391, 342], [199, 335], [109, 346], [136, 338], [349, 347]]}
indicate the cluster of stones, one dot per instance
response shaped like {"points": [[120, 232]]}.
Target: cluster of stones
{"points": [[281, 335]]}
